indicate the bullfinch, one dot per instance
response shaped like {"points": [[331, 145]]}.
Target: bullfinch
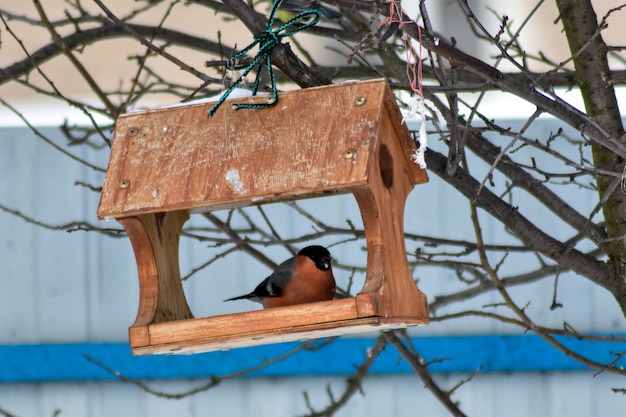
{"points": [[305, 278]]}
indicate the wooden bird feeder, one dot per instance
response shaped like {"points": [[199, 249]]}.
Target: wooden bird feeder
{"points": [[170, 162]]}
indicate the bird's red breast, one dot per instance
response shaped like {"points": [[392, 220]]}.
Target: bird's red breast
{"points": [[308, 284]]}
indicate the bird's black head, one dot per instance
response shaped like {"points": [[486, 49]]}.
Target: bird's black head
{"points": [[319, 255]]}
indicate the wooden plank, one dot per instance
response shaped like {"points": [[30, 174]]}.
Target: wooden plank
{"points": [[139, 335], [288, 334], [259, 321], [313, 141], [307, 321]]}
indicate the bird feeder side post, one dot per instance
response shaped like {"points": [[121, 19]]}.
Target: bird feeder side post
{"points": [[155, 240], [389, 284]]}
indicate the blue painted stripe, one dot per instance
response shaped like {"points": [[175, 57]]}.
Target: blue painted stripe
{"points": [[495, 353]]}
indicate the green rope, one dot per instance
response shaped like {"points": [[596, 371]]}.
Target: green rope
{"points": [[267, 40]]}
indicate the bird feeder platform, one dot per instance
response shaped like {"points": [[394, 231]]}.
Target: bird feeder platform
{"points": [[168, 163]]}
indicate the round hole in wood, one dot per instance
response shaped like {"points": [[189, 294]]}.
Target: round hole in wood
{"points": [[386, 165]]}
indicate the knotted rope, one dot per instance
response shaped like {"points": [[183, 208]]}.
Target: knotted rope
{"points": [[267, 40]]}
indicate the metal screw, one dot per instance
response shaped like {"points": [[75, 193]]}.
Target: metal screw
{"points": [[124, 184], [359, 101]]}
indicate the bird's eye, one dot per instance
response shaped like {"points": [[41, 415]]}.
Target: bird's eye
{"points": [[324, 263]]}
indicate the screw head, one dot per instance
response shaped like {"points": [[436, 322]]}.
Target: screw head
{"points": [[349, 153]]}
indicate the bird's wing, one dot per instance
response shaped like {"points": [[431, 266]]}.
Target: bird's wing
{"points": [[273, 285]]}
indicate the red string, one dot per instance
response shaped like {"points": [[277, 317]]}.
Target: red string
{"points": [[414, 64], [413, 59], [395, 12]]}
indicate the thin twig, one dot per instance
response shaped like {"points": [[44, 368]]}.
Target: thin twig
{"points": [[530, 120], [247, 248], [520, 311], [68, 227], [149, 44], [353, 384], [417, 364], [113, 110], [213, 380], [48, 141], [35, 64]]}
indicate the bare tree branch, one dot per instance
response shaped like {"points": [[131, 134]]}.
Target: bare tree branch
{"points": [[417, 364]]}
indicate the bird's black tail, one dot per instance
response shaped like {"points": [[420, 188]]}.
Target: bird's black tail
{"points": [[241, 297]]}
